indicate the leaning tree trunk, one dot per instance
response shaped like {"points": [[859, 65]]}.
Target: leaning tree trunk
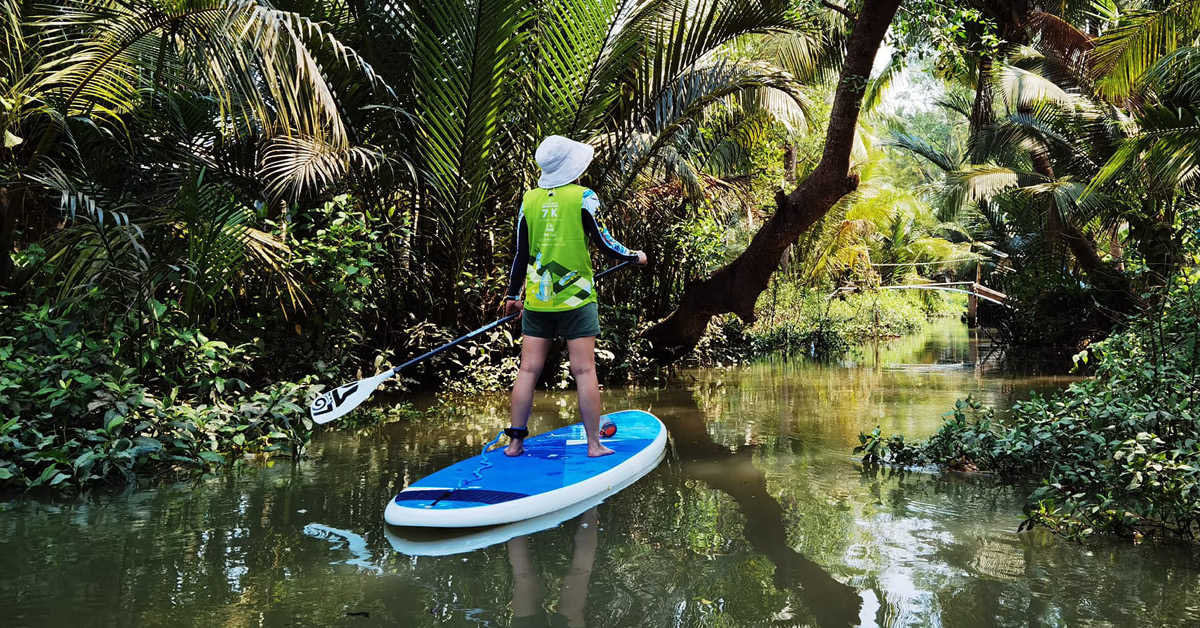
{"points": [[736, 286], [1114, 283], [1063, 229]]}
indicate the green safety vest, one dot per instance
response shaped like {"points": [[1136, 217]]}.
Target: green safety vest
{"points": [[559, 276]]}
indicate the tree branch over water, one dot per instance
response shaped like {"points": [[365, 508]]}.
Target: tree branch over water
{"points": [[736, 286]]}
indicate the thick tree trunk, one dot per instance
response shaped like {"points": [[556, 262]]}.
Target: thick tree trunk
{"points": [[736, 286], [981, 108], [1082, 247]]}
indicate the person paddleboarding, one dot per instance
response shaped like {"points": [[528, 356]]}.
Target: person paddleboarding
{"points": [[553, 266]]}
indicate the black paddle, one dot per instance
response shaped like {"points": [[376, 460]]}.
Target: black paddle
{"points": [[341, 400]]}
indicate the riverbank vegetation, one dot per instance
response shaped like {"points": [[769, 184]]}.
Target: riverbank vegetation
{"points": [[212, 209], [1119, 453]]}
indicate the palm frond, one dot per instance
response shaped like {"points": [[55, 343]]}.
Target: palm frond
{"points": [[1166, 147], [987, 181], [294, 164], [790, 106], [685, 35], [921, 148], [1125, 53], [463, 53], [878, 86], [1177, 75], [257, 68], [583, 49], [957, 101], [723, 141], [812, 52], [1058, 36], [1023, 89], [221, 247], [680, 103]]}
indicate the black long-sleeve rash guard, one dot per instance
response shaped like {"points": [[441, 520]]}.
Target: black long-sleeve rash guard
{"points": [[599, 236]]}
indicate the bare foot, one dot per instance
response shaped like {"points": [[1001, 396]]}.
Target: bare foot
{"points": [[597, 450], [515, 447]]}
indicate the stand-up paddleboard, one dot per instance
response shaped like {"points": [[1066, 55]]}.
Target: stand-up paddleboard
{"points": [[554, 473], [448, 541]]}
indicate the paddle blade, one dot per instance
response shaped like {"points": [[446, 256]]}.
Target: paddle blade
{"points": [[341, 400]]}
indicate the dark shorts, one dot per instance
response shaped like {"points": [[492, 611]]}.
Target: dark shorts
{"points": [[581, 322]]}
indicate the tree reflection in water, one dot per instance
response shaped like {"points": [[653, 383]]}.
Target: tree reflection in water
{"points": [[832, 603]]}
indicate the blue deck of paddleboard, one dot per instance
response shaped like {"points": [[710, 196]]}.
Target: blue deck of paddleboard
{"points": [[551, 461]]}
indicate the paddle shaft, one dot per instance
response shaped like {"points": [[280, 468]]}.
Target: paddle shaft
{"points": [[489, 326]]}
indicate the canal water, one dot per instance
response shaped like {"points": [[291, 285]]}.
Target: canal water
{"points": [[759, 516]]}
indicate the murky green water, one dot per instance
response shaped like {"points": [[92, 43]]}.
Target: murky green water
{"points": [[758, 517]]}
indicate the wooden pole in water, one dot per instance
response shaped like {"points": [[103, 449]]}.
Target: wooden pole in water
{"points": [[973, 301]]}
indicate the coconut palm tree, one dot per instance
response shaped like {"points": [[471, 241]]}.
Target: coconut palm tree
{"points": [[489, 78], [111, 108]]}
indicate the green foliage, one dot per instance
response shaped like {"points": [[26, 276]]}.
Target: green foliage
{"points": [[793, 320], [966, 439], [487, 363], [73, 411], [1118, 454], [855, 316], [621, 354], [197, 215], [341, 254]]}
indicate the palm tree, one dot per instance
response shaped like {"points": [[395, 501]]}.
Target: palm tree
{"points": [[1046, 145], [1149, 63], [247, 92], [883, 232], [490, 78]]}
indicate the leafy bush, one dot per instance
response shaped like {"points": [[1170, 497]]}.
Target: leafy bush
{"points": [[854, 316], [490, 361], [72, 411], [1119, 453], [342, 255]]}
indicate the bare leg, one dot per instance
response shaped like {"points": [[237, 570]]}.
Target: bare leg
{"points": [[527, 589], [572, 598], [582, 352], [533, 357]]}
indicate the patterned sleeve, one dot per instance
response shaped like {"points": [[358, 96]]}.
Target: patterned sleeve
{"points": [[600, 236], [520, 264]]}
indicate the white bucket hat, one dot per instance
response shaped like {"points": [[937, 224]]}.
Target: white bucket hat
{"points": [[562, 161]]}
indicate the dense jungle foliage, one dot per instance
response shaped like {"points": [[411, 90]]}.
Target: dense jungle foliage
{"points": [[212, 209]]}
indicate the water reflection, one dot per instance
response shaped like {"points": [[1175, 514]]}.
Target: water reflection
{"points": [[733, 472], [527, 608], [758, 517], [345, 540]]}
